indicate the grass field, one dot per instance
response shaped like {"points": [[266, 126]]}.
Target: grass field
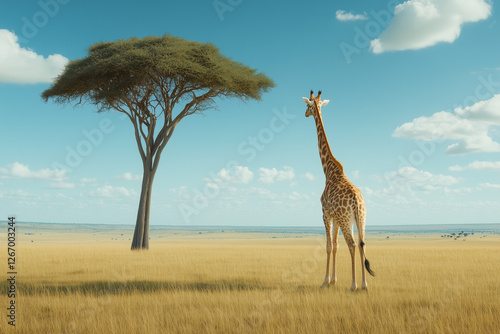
{"points": [[255, 286]]}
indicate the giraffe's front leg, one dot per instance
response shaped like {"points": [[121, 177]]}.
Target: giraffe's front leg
{"points": [[326, 282], [335, 248]]}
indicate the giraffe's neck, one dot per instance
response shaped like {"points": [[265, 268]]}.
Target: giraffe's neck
{"points": [[331, 166]]}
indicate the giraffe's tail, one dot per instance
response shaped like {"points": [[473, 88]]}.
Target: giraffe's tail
{"points": [[367, 263], [361, 232]]}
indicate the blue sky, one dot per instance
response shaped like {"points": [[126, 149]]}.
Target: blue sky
{"points": [[414, 114]]}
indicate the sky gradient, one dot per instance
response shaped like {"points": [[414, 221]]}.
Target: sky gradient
{"points": [[414, 115]]}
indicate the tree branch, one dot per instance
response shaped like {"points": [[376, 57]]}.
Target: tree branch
{"points": [[138, 139], [136, 130], [160, 149], [150, 141]]}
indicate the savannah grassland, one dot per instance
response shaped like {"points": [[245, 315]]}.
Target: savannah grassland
{"points": [[195, 284]]}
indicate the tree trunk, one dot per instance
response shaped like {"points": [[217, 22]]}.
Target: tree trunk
{"points": [[141, 233]]}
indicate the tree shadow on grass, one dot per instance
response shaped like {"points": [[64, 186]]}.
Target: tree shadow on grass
{"points": [[99, 288]]}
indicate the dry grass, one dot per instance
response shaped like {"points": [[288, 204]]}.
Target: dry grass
{"points": [[255, 286]]}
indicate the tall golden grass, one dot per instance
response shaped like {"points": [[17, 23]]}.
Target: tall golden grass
{"points": [[255, 286]]}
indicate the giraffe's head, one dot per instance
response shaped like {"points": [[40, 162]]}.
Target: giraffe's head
{"points": [[314, 104]]}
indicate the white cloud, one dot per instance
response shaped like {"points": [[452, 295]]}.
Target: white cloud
{"points": [[296, 196], [88, 180], [308, 176], [110, 191], [470, 126], [419, 24], [488, 185], [18, 170], [487, 111], [408, 180], [263, 193], [23, 66], [477, 165], [342, 15], [421, 180], [241, 175], [457, 191], [22, 193], [129, 176], [181, 193], [268, 195], [62, 185], [411, 186], [272, 175], [180, 190]]}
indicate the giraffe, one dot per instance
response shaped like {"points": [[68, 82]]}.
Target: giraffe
{"points": [[342, 202]]}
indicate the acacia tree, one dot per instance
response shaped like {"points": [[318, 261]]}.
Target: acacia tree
{"points": [[146, 79]]}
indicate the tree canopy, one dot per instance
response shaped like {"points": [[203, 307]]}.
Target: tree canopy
{"points": [[114, 68]]}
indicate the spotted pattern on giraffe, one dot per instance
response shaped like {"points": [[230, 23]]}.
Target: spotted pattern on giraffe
{"points": [[342, 202]]}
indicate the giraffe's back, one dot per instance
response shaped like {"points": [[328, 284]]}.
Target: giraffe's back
{"points": [[342, 200]]}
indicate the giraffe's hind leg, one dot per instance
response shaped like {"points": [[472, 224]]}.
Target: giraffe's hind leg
{"points": [[364, 285], [328, 228], [360, 222], [347, 232]]}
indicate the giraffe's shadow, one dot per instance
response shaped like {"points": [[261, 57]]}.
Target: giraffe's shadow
{"points": [[331, 287]]}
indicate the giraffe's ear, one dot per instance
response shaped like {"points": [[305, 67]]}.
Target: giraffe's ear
{"points": [[325, 102], [306, 100]]}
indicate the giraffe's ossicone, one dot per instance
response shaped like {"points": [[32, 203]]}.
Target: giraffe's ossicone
{"points": [[342, 202]]}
